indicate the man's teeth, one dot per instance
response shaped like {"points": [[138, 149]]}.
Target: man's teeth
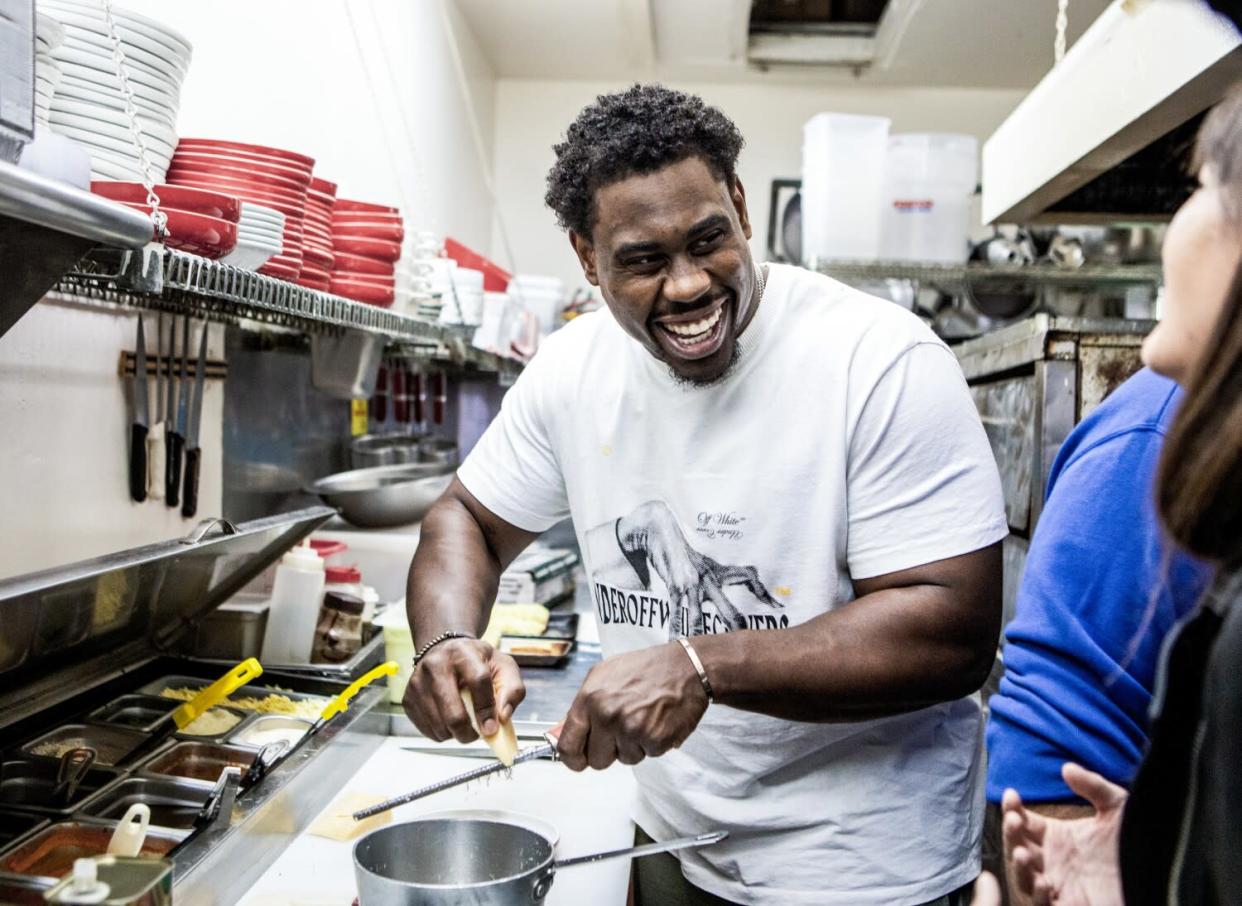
{"points": [[695, 328]]}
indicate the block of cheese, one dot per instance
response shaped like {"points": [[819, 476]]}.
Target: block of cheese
{"points": [[503, 741], [336, 822], [515, 619]]}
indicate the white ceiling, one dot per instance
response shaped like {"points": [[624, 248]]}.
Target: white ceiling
{"points": [[960, 43]]}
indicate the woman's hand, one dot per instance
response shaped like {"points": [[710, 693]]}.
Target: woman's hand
{"points": [[1069, 862]]}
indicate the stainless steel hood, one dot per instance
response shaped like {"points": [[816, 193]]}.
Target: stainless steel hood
{"points": [[1098, 139]]}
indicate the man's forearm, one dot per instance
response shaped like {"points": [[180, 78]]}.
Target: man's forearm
{"points": [[453, 576], [891, 651]]}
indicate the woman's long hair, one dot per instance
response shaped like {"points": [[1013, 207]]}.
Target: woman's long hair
{"points": [[1199, 484]]}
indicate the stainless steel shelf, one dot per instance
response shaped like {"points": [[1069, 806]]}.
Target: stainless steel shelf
{"points": [[978, 274], [217, 292]]}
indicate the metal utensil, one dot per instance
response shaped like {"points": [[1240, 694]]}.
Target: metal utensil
{"points": [[533, 753], [72, 769], [156, 457], [172, 492], [447, 862], [142, 418], [193, 454], [385, 495], [219, 805], [269, 756], [460, 751]]}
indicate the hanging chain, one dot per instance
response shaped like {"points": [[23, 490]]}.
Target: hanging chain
{"points": [[1058, 47], [131, 111]]}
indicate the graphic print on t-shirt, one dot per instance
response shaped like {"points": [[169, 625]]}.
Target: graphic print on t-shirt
{"points": [[646, 574]]}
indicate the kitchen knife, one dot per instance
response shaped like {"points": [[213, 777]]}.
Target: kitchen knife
{"points": [[170, 409], [142, 418], [155, 437], [177, 439], [193, 455]]}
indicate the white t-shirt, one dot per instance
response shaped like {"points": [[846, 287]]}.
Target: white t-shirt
{"points": [[843, 445]]}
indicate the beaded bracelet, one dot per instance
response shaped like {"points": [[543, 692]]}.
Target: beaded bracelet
{"points": [[442, 637]]}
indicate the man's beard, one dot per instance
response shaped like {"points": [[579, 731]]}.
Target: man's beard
{"points": [[687, 383]]}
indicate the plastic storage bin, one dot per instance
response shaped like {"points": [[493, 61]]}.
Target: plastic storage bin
{"points": [[928, 191], [843, 159]]}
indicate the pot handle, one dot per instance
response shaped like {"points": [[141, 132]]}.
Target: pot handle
{"points": [[649, 849], [542, 885]]}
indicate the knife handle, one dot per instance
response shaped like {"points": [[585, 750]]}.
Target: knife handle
{"points": [[189, 492], [138, 462], [157, 461], [172, 473]]}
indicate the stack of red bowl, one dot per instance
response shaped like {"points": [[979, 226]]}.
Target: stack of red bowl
{"points": [[317, 235], [271, 177], [198, 221], [366, 243]]}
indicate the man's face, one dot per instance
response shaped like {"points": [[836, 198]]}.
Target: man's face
{"points": [[669, 253]]}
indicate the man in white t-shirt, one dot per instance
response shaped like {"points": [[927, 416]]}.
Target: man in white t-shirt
{"points": [[786, 506]]}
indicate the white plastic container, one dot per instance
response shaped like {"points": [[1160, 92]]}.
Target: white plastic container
{"points": [[296, 596], [927, 197], [467, 290], [543, 297], [842, 186]]}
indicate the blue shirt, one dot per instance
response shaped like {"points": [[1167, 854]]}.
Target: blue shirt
{"points": [[1100, 591]]}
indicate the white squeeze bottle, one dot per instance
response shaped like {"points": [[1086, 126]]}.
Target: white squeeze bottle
{"points": [[294, 608]]}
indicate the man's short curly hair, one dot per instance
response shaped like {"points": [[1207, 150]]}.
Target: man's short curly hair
{"points": [[633, 132]]}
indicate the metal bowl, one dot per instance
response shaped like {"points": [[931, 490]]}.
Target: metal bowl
{"points": [[439, 450], [385, 496]]}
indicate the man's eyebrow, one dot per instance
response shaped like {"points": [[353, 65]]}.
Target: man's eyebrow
{"points": [[635, 248], [709, 222]]}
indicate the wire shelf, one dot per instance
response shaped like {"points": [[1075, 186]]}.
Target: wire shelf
{"points": [[979, 274], [218, 292]]}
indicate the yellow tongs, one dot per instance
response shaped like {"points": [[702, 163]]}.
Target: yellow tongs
{"points": [[340, 704], [200, 704]]}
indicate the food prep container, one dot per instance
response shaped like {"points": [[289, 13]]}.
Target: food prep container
{"points": [[49, 853], [111, 744], [15, 825], [233, 632], [23, 891], [28, 783], [198, 760], [217, 724], [138, 712], [538, 651], [174, 802], [271, 728]]}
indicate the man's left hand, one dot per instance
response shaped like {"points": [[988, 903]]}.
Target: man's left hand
{"points": [[632, 706]]}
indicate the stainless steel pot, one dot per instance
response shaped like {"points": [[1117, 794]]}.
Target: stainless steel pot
{"points": [[386, 495], [372, 450], [456, 862], [438, 449]]}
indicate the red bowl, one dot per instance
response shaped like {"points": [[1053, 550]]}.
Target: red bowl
{"points": [[390, 232], [243, 173], [198, 159], [363, 292], [346, 204], [322, 286], [259, 151], [199, 234], [315, 273], [312, 255], [362, 264], [347, 223], [286, 194], [292, 212], [316, 204], [372, 248], [323, 186], [280, 273], [359, 277], [180, 198]]}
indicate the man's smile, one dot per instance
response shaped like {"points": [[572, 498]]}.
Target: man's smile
{"points": [[695, 334]]}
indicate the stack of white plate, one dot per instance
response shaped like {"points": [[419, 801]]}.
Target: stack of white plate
{"points": [[89, 103], [260, 232], [48, 36]]}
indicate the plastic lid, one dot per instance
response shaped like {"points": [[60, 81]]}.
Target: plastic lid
{"points": [[303, 557], [344, 602], [326, 548], [85, 886], [344, 575]]}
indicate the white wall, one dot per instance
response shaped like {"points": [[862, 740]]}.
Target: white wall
{"points": [[531, 115], [277, 72]]}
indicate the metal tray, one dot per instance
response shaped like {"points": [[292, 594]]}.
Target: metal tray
{"points": [[27, 783], [243, 718], [49, 852], [16, 826], [111, 744], [559, 659], [137, 712], [198, 760], [562, 626], [174, 802], [371, 654], [267, 723], [176, 681]]}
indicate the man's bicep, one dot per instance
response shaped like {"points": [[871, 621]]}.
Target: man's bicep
{"points": [[505, 539], [922, 481]]}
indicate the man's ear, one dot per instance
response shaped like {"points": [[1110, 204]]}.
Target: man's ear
{"points": [[585, 251], [737, 195]]}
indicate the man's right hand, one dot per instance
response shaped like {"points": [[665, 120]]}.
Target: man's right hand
{"points": [[433, 697]]}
